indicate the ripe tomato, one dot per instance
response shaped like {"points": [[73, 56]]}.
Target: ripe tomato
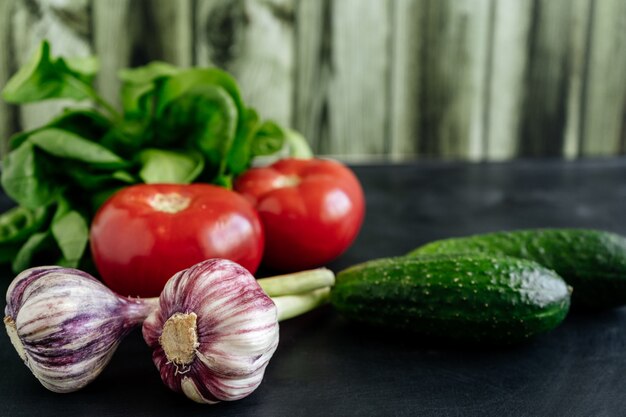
{"points": [[311, 209], [144, 234]]}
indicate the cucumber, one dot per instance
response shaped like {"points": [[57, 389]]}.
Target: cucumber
{"points": [[468, 298], [591, 261]]}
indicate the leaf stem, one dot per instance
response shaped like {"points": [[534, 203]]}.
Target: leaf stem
{"points": [[91, 92], [298, 282], [290, 306]]}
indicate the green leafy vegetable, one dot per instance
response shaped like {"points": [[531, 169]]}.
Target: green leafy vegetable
{"points": [[177, 126]]}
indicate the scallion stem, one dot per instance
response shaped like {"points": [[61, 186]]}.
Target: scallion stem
{"points": [[294, 305], [298, 282]]}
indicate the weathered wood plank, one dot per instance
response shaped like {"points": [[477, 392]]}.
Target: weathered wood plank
{"points": [[7, 112], [343, 75], [452, 83], [313, 72], [405, 75], [167, 31], [505, 77], [605, 93], [359, 87], [66, 24], [554, 68], [112, 29], [253, 40], [579, 31]]}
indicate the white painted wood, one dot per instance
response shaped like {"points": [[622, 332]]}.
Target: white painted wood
{"points": [[173, 33], [579, 31], [453, 82], [252, 39], [66, 24], [605, 89], [505, 77], [6, 111], [112, 29], [313, 72], [404, 102], [358, 94]]}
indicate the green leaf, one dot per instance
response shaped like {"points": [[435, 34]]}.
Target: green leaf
{"points": [[46, 78], [36, 243], [86, 67], [18, 223], [298, 145], [71, 233], [90, 179], [240, 154], [138, 83], [26, 177], [269, 139], [161, 166], [8, 251], [206, 118], [64, 144], [147, 73], [169, 89]]}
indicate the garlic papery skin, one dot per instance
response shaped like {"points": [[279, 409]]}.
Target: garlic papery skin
{"points": [[66, 325], [214, 332]]}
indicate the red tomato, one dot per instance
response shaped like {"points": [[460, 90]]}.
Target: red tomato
{"points": [[144, 234], [311, 210]]}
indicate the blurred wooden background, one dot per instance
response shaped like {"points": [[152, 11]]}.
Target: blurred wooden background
{"points": [[468, 79]]}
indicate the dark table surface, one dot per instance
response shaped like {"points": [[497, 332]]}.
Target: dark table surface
{"points": [[325, 366]]}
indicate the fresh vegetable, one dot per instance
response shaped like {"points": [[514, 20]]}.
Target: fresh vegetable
{"points": [[176, 126], [591, 261], [145, 233], [311, 210], [468, 298], [215, 331], [66, 325]]}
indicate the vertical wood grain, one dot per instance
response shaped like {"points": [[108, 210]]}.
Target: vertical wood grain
{"points": [[7, 112], [167, 32], [452, 78], [112, 27], [405, 75], [505, 77], [313, 72], [554, 68], [252, 39], [67, 25], [605, 86], [359, 86]]}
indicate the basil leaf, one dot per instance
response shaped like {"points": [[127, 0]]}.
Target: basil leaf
{"points": [[64, 144], [86, 68], [138, 83], [297, 144], [20, 222], [161, 166], [269, 139], [206, 116], [89, 179], [45, 78], [71, 233], [240, 155], [171, 88], [26, 177], [36, 243]]}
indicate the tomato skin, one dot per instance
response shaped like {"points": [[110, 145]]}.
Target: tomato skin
{"points": [[311, 209], [137, 248]]}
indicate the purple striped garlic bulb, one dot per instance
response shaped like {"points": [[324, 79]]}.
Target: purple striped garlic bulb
{"points": [[66, 325], [214, 332]]}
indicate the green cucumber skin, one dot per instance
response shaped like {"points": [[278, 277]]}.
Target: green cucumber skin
{"points": [[469, 298], [593, 262]]}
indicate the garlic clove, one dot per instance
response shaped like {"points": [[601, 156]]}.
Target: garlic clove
{"points": [[66, 325], [214, 332]]}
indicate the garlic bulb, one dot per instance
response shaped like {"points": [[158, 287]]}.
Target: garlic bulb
{"points": [[214, 332], [65, 324]]}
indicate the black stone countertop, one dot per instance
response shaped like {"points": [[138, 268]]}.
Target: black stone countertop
{"points": [[324, 366]]}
